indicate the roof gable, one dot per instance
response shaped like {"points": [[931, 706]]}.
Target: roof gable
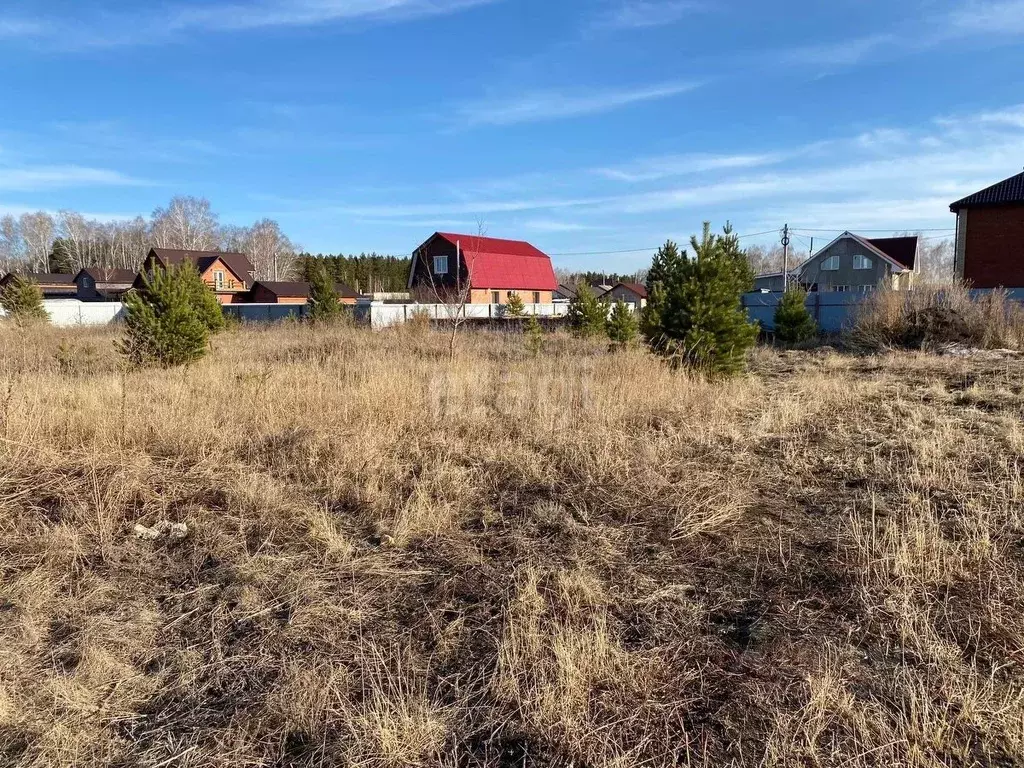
{"points": [[1006, 192], [237, 263], [496, 264], [870, 246]]}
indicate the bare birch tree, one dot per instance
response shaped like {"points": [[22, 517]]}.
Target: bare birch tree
{"points": [[10, 243], [37, 231], [187, 223], [270, 251]]}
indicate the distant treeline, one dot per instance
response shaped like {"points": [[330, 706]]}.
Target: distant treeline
{"points": [[367, 273]]}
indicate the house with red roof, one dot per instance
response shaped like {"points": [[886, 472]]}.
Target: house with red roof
{"points": [[488, 269]]}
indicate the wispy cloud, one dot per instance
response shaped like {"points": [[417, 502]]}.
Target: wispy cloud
{"points": [[1001, 18], [652, 169], [22, 179], [556, 105], [163, 23], [641, 14], [888, 177]]}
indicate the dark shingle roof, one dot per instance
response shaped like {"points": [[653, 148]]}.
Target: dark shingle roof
{"points": [[1006, 192], [901, 249], [42, 278], [104, 275], [237, 262], [301, 289]]}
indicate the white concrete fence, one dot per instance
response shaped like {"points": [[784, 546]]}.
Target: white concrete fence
{"points": [[70, 312], [386, 315]]}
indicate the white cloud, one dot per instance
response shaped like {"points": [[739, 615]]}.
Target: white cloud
{"points": [[1000, 18], [898, 178], [554, 105], [641, 14], [57, 176], [161, 23], [652, 169]]}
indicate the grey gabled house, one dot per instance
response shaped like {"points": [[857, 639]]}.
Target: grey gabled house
{"points": [[853, 263]]}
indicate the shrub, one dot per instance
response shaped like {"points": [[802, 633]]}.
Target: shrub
{"points": [[621, 324], [586, 314], [22, 300], [700, 318], [515, 306], [323, 297], [930, 316], [793, 323], [166, 320]]}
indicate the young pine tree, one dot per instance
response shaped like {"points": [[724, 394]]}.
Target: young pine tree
{"points": [[162, 322], [621, 325], [22, 300], [202, 298], [515, 306], [323, 297], [586, 314], [793, 323], [700, 318], [534, 336]]}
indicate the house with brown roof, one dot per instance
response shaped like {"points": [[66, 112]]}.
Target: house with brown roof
{"points": [[990, 235], [633, 294], [859, 264], [103, 284], [53, 285], [489, 268], [294, 293], [230, 275]]}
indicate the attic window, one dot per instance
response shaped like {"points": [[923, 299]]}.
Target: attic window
{"points": [[830, 264], [860, 261], [440, 265]]}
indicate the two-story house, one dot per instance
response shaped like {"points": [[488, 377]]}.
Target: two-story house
{"points": [[485, 269], [230, 275], [855, 263]]}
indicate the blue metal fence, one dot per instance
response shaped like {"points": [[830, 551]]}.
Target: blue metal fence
{"points": [[833, 311]]}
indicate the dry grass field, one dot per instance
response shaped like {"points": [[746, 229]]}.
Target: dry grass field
{"points": [[583, 559]]}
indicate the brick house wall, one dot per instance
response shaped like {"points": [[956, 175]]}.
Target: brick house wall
{"points": [[990, 246]]}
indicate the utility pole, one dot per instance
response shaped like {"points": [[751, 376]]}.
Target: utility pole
{"points": [[811, 252], [785, 258]]}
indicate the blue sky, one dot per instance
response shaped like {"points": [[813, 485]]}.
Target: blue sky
{"points": [[580, 125]]}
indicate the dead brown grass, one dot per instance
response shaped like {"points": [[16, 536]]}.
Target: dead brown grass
{"points": [[579, 559]]}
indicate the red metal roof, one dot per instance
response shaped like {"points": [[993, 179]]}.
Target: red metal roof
{"points": [[504, 264]]}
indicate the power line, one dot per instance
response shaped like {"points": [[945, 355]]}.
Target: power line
{"points": [[904, 229]]}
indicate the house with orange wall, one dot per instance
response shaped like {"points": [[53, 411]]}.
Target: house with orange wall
{"points": [[230, 275]]}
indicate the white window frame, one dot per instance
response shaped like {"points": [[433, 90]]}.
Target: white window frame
{"points": [[439, 262], [830, 263], [860, 261], [218, 279], [867, 288], [841, 288]]}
